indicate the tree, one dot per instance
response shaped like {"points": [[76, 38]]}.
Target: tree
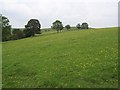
{"points": [[17, 34], [0, 27], [6, 29], [33, 27], [57, 25], [84, 26], [67, 27], [78, 26]]}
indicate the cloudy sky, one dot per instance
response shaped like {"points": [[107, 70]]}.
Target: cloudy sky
{"points": [[97, 13]]}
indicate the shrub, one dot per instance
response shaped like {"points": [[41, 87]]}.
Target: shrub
{"points": [[17, 34]]}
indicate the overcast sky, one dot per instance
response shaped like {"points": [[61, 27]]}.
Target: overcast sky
{"points": [[97, 13]]}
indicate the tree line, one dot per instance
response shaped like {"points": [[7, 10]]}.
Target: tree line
{"points": [[33, 27]]}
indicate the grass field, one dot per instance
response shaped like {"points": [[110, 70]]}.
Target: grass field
{"points": [[76, 59]]}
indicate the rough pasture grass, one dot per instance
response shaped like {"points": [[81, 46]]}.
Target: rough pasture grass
{"points": [[86, 59]]}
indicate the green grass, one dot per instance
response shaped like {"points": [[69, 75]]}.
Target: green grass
{"points": [[76, 58], [0, 65]]}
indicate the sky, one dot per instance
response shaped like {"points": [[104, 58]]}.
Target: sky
{"points": [[97, 13]]}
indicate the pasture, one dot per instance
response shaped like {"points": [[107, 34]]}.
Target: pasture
{"points": [[75, 59]]}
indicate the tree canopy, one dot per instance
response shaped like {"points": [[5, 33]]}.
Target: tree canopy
{"points": [[6, 29], [78, 26], [57, 25], [84, 25], [67, 27], [33, 27]]}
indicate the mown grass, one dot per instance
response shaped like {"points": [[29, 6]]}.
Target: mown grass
{"points": [[77, 58]]}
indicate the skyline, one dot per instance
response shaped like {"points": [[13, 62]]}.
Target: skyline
{"points": [[97, 13]]}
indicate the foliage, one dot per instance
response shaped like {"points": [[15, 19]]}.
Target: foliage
{"points": [[84, 26], [75, 59], [33, 27], [17, 34], [57, 25], [67, 27], [6, 29], [78, 26], [27, 32]]}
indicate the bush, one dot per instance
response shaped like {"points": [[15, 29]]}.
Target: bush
{"points": [[17, 34], [6, 34], [67, 27], [27, 32]]}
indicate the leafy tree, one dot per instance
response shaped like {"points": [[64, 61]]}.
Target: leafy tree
{"points": [[6, 29], [78, 26], [17, 34], [84, 26], [27, 32], [67, 27], [33, 27], [57, 25], [0, 27]]}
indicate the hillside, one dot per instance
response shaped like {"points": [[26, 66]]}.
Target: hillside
{"points": [[76, 58]]}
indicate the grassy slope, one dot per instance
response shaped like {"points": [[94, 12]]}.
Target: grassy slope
{"points": [[0, 65], [67, 59]]}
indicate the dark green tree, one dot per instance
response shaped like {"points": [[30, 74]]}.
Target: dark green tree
{"points": [[17, 34], [0, 27], [6, 29], [84, 26], [67, 27], [33, 27], [78, 26], [57, 25]]}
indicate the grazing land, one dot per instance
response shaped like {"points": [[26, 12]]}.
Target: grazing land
{"points": [[74, 58]]}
